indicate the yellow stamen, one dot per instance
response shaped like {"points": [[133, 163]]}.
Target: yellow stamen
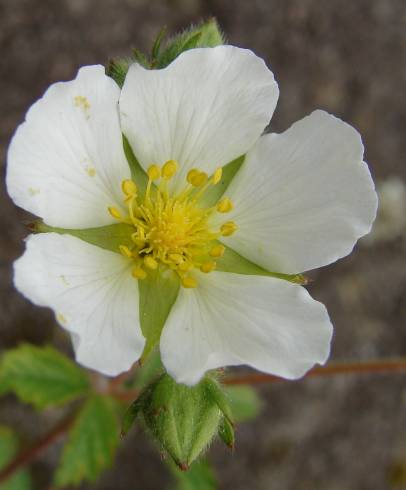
{"points": [[172, 229], [169, 169], [114, 212], [154, 172], [228, 228], [189, 282], [217, 251], [192, 174], [217, 176], [125, 251], [150, 262], [208, 267], [129, 188], [139, 273], [225, 205]]}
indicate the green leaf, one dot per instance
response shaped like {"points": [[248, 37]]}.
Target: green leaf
{"points": [[91, 445], [8, 449], [42, 376], [183, 419], [157, 43], [232, 261], [137, 172], [107, 237], [245, 402], [204, 35], [199, 477], [213, 193], [226, 433], [158, 292]]}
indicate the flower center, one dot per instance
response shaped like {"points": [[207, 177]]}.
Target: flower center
{"points": [[172, 230]]}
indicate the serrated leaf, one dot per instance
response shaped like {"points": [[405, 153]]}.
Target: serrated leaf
{"points": [[232, 261], [199, 477], [91, 444], [42, 376], [244, 401], [157, 294], [8, 449], [107, 237]]}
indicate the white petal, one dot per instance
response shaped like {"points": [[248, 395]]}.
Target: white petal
{"points": [[92, 293], [205, 109], [66, 161], [232, 319], [304, 197]]}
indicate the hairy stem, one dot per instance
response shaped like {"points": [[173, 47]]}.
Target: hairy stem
{"points": [[376, 366]]}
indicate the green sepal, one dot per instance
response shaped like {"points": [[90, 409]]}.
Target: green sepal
{"points": [[107, 237], [204, 35], [92, 443], [226, 433], [138, 174], [157, 294], [232, 261], [182, 419], [132, 413], [117, 69], [214, 192], [42, 376], [20, 480], [156, 47], [215, 391]]}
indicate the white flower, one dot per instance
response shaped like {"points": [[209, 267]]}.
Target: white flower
{"points": [[300, 200]]}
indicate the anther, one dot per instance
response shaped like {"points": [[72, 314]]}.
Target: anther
{"points": [[169, 169], [228, 228], [185, 266], [217, 175], [129, 188], [208, 266], [196, 178], [217, 251], [177, 258], [192, 174], [154, 172], [189, 282], [114, 212], [150, 262], [139, 273], [125, 251], [225, 205]]}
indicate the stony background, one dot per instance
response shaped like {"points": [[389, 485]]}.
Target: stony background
{"points": [[346, 433]]}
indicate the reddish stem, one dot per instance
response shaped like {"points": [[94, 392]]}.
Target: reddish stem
{"points": [[27, 456], [384, 366]]}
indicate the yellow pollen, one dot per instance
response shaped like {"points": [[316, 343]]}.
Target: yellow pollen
{"points": [[189, 282], [139, 273], [228, 228], [150, 262], [125, 251], [208, 267], [114, 212], [154, 172], [217, 176], [197, 178], [172, 229], [169, 169], [217, 251], [225, 205], [129, 188]]}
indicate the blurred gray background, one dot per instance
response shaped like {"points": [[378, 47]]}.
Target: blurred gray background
{"points": [[341, 433]]}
